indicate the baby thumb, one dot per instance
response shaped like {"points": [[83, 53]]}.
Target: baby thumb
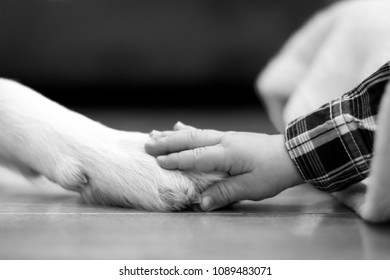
{"points": [[219, 195]]}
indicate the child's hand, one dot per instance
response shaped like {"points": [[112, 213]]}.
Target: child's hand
{"points": [[258, 165]]}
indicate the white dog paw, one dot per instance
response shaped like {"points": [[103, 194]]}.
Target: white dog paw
{"points": [[117, 171], [71, 177]]}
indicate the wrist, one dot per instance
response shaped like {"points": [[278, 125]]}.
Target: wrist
{"points": [[290, 170]]}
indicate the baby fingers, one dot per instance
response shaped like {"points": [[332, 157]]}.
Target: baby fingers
{"points": [[211, 158], [177, 141]]}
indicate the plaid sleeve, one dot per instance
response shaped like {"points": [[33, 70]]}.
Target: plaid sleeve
{"points": [[332, 146]]}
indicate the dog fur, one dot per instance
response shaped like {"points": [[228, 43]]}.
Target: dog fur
{"points": [[42, 138]]}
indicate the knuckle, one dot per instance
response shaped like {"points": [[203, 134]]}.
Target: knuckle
{"points": [[192, 135], [198, 152]]}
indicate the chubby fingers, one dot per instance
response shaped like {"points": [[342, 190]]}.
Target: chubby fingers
{"points": [[210, 158], [179, 126], [177, 141]]}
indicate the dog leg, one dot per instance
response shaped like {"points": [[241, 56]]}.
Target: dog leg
{"points": [[106, 166]]}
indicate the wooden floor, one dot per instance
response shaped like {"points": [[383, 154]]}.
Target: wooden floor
{"points": [[301, 223]]}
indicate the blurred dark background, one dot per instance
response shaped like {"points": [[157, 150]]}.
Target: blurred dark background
{"points": [[145, 52]]}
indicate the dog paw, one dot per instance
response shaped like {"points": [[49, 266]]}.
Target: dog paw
{"points": [[116, 171], [110, 167], [70, 177]]}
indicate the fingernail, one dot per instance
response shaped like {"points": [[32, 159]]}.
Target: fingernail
{"points": [[161, 158], [155, 134], [150, 144], [207, 203]]}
